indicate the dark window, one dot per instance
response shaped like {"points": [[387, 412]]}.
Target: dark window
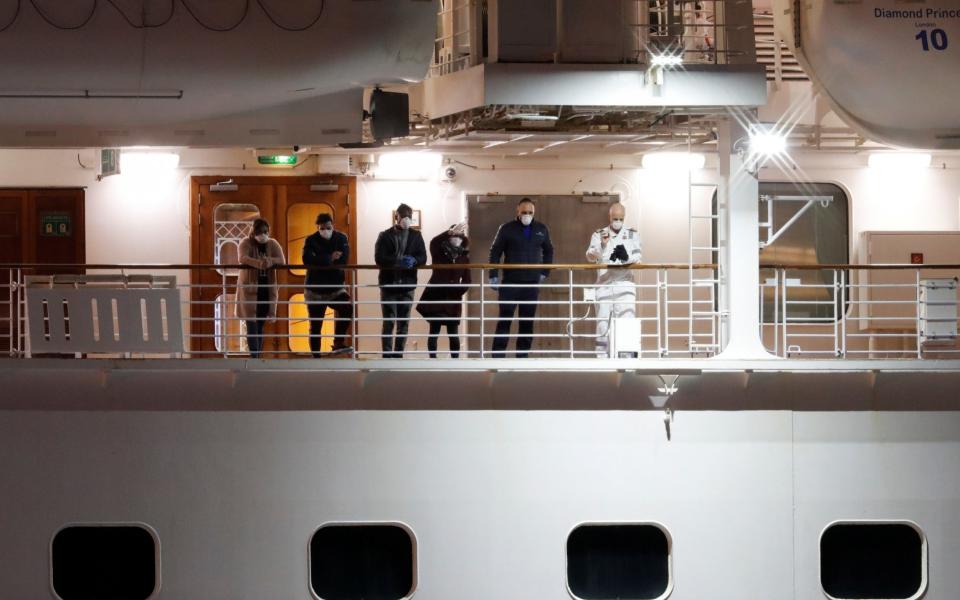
{"points": [[114, 562], [618, 561], [368, 562], [875, 560]]}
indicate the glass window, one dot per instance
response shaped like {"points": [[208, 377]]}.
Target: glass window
{"points": [[362, 562], [819, 236], [881, 561], [231, 224], [104, 561], [626, 561], [301, 223]]}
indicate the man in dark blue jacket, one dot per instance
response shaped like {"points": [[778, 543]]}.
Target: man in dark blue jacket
{"points": [[325, 287], [399, 249], [521, 241]]}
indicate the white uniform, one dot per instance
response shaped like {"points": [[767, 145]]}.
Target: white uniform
{"points": [[616, 290]]}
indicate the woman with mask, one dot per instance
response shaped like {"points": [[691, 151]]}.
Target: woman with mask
{"points": [[440, 304], [257, 290]]}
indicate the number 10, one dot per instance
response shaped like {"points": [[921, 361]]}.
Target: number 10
{"points": [[937, 38]]}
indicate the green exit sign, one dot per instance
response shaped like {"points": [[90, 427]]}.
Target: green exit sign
{"points": [[278, 159]]}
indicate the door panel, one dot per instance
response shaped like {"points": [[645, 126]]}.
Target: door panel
{"points": [[58, 224], [222, 219]]}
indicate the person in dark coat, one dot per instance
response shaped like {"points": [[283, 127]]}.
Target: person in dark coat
{"points": [[520, 241], [399, 250], [257, 288], [441, 303], [325, 287]]}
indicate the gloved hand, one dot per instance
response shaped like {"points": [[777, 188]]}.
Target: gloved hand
{"points": [[620, 254], [494, 283], [542, 277], [408, 262]]}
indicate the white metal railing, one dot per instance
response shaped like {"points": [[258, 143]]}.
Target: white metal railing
{"points": [[565, 323], [860, 312]]}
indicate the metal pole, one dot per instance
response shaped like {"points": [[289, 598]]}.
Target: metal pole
{"points": [[483, 315], [836, 316], [843, 314], [570, 307], [783, 311], [665, 346], [354, 323], [657, 329], [918, 334]]}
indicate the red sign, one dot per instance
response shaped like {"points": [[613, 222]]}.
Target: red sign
{"points": [[916, 258]]}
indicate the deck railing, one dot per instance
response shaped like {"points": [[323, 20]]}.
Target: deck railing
{"points": [[569, 307], [814, 312]]}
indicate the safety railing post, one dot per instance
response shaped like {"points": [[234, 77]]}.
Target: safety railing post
{"points": [[657, 299], [783, 312], [570, 311], [483, 315], [10, 328], [665, 343], [836, 316], [919, 325], [354, 316], [776, 313], [842, 317]]}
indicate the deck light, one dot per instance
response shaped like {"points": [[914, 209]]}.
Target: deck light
{"points": [[674, 161], [408, 165], [899, 161]]}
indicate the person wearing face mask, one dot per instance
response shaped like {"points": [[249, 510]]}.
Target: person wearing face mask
{"points": [[257, 290], [520, 241], [398, 251], [616, 289], [441, 303], [325, 287]]}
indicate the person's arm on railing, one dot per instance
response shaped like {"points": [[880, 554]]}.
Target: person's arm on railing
{"points": [[249, 257], [419, 250], [382, 255], [547, 253]]}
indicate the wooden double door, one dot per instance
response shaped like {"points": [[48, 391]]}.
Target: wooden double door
{"points": [[37, 226], [222, 219]]}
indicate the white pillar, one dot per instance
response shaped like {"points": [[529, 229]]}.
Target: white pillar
{"points": [[738, 196]]}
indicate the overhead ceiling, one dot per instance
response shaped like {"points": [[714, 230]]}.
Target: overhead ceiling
{"points": [[180, 82]]}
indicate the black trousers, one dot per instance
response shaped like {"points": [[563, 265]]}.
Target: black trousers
{"points": [[343, 310], [255, 326], [396, 306], [453, 336], [510, 299]]}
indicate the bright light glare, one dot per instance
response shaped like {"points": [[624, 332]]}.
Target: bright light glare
{"points": [[767, 143], [408, 165], [674, 161], [899, 161], [148, 163], [667, 60]]}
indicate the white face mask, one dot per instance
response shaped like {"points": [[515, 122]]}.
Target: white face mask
{"points": [[456, 242], [262, 238], [526, 219], [406, 222], [616, 224], [326, 233]]}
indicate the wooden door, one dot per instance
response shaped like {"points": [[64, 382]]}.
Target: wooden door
{"points": [[296, 221], [220, 220], [57, 223]]}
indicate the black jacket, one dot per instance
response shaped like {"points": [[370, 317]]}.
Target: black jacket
{"points": [[511, 245], [318, 252], [386, 254]]}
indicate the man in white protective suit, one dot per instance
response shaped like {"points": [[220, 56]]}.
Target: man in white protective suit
{"points": [[616, 290]]}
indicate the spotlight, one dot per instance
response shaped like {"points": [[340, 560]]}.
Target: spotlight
{"points": [[667, 60], [765, 144]]}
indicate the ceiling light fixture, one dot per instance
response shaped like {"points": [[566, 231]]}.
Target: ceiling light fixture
{"points": [[900, 161]]}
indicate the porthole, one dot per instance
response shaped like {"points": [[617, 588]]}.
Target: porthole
{"points": [[628, 561], [115, 561], [873, 560], [363, 561]]}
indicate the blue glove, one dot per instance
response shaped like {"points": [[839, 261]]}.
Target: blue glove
{"points": [[542, 277], [408, 262], [494, 283]]}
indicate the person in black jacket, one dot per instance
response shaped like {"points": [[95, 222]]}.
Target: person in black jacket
{"points": [[325, 287], [521, 241], [398, 250]]}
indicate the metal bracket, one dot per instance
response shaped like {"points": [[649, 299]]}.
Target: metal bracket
{"points": [[809, 201], [667, 389]]}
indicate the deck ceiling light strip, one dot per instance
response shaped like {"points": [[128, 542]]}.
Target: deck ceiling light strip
{"points": [[501, 142]]}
